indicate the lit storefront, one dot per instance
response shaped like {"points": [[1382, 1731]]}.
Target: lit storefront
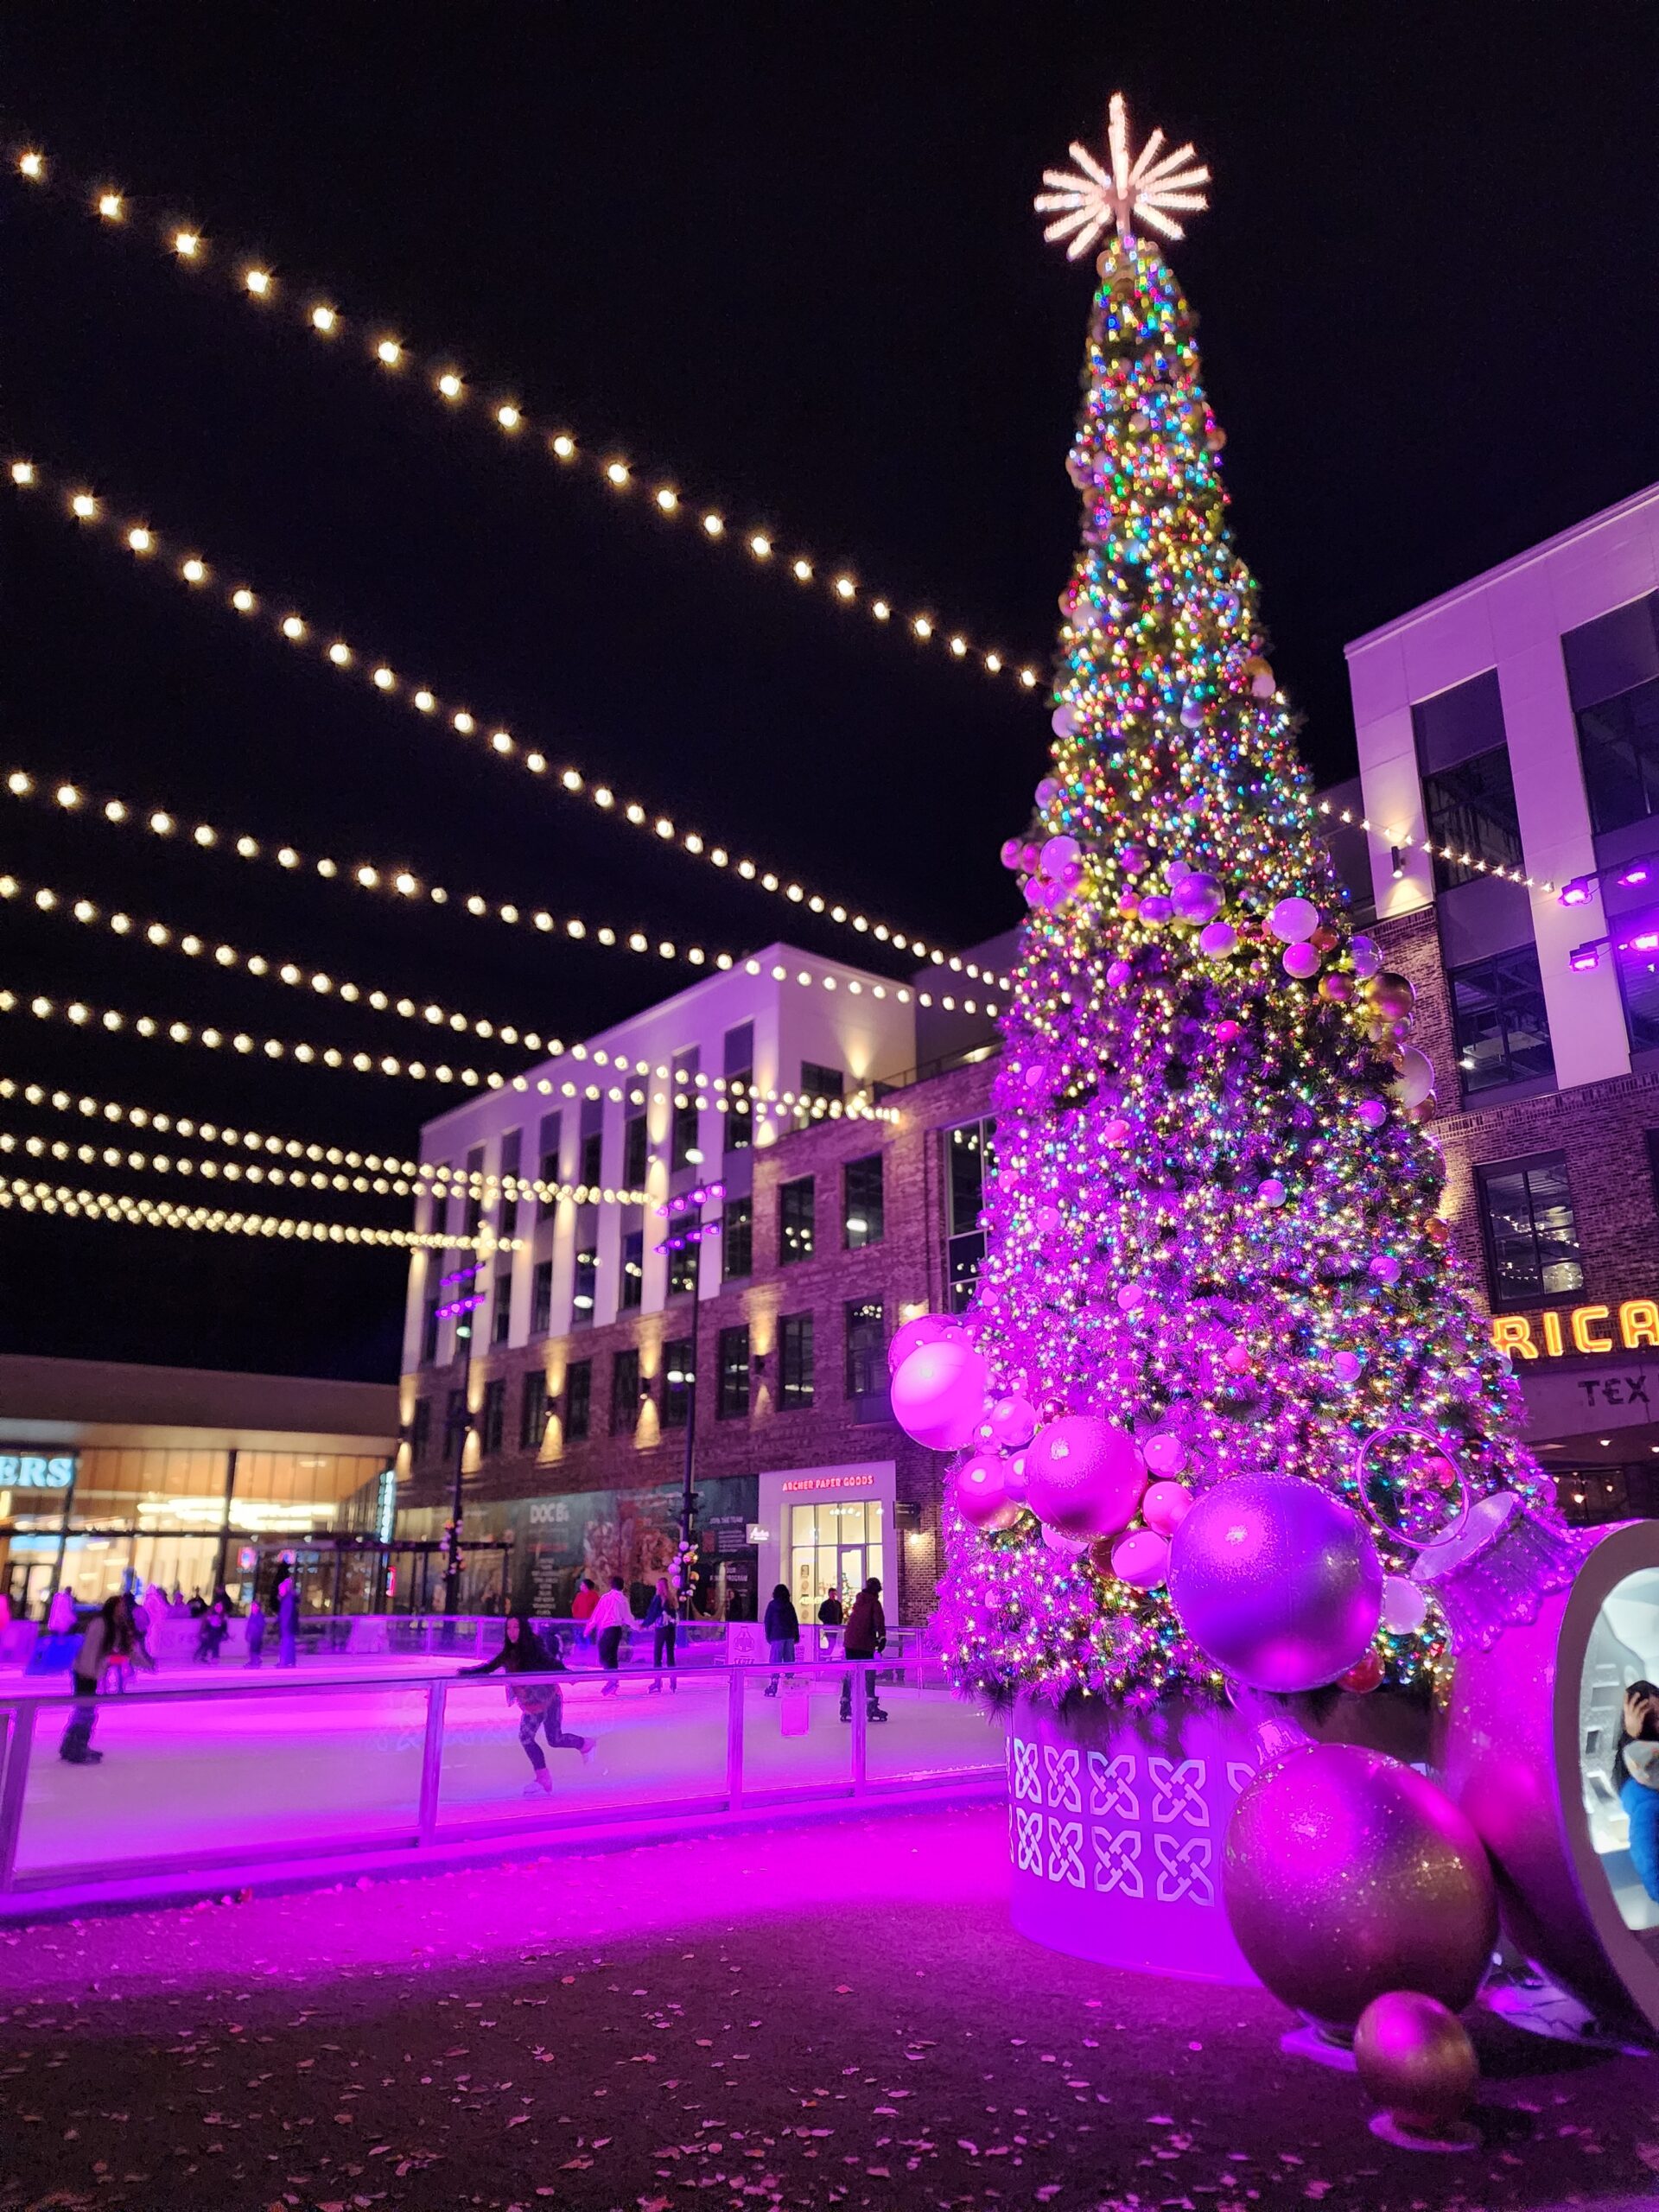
{"points": [[172, 1475], [826, 1528]]}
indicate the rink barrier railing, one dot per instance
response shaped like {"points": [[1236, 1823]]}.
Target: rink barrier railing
{"points": [[26, 1738]]}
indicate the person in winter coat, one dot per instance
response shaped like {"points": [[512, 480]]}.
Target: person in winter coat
{"points": [[663, 1619], [541, 1704], [582, 1604], [109, 1641], [607, 1624], [287, 1619], [866, 1634], [256, 1632], [214, 1628], [782, 1629]]}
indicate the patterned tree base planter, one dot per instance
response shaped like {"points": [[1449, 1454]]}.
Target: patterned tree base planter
{"points": [[1116, 1823]]}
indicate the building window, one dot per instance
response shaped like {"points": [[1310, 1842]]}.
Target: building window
{"points": [[795, 1362], [584, 1295], [968, 1164], [429, 1333], [420, 1431], [683, 1148], [737, 1239], [625, 1393], [1468, 793], [532, 1411], [1637, 959], [541, 1298], [1652, 1162], [473, 1217], [506, 1219], [795, 1221], [578, 1399], [738, 1061], [493, 1417], [867, 1358], [861, 1207], [1532, 1239], [733, 1400], [590, 1169], [501, 1310], [818, 1082], [1612, 679], [633, 1269], [549, 1170], [1502, 1029], [684, 1259], [634, 1151], [834, 1546], [676, 1382]]}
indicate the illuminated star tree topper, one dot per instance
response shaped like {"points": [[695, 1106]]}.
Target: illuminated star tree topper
{"points": [[1149, 186]]}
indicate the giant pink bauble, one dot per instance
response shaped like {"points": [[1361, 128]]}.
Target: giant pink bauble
{"points": [[938, 1393], [1084, 1478], [1277, 1581], [925, 1328], [1011, 1421], [981, 1488], [1141, 1558]]}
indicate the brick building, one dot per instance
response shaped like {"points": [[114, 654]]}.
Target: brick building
{"points": [[1509, 745], [847, 1128]]}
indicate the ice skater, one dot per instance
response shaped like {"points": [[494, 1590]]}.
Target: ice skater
{"points": [[109, 1641], [541, 1704], [287, 1619], [782, 1630], [866, 1634], [255, 1632], [663, 1619], [610, 1619]]}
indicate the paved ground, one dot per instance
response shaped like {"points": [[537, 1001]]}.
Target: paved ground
{"points": [[831, 2014]]}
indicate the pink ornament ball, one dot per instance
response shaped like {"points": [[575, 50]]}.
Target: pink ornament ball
{"points": [[1062, 723], [1405, 1606], [1165, 1453], [1218, 942], [1012, 851], [1048, 1218], [939, 1394], [981, 1489], [1115, 1131], [925, 1328], [1272, 1191], [1084, 1478], [1141, 1559], [1155, 907], [1366, 957], [1301, 961], [1416, 1077], [1226, 1030], [1060, 853], [1372, 1112], [1276, 1581], [1197, 898], [1347, 1367], [1013, 1478], [1131, 1298], [1118, 973], [1064, 1546], [1135, 859], [1047, 791], [1164, 1506], [1293, 919], [1013, 1421], [1385, 1268], [1236, 1359]]}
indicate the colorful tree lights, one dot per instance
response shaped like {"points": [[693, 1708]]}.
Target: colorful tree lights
{"points": [[1215, 1223]]}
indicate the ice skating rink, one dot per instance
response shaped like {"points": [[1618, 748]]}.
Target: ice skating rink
{"points": [[331, 1756]]}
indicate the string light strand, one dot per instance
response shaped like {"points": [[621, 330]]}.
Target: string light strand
{"points": [[163, 1213]]}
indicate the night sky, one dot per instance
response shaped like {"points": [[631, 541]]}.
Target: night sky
{"points": [[785, 257]]}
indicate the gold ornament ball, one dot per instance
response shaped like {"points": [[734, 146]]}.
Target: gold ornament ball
{"points": [[1392, 997], [1415, 2059]]}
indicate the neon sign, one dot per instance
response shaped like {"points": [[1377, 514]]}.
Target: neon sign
{"points": [[33, 1471], [1579, 1328]]}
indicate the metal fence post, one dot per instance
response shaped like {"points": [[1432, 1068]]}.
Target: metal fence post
{"points": [[861, 1685], [735, 1738], [14, 1780], [432, 1760]]}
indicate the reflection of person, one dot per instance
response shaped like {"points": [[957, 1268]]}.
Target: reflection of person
{"points": [[1635, 1777], [541, 1705]]}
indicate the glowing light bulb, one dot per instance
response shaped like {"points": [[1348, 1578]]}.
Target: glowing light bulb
{"points": [[802, 571], [32, 165], [845, 588], [881, 610], [187, 244], [84, 506], [760, 546], [449, 385], [389, 352], [67, 795], [463, 722], [616, 472], [383, 679], [140, 539], [667, 500], [293, 627], [323, 319], [714, 526], [921, 627], [564, 445], [193, 571], [258, 282], [242, 600], [425, 702], [109, 206], [339, 653], [508, 417], [23, 472]]}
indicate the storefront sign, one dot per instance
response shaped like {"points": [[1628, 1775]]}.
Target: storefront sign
{"points": [[33, 1471], [1569, 1329], [836, 1478]]}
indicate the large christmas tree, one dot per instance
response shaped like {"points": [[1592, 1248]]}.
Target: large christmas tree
{"points": [[1215, 1222]]}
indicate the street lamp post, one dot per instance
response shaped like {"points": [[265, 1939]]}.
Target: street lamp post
{"points": [[461, 1307]]}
